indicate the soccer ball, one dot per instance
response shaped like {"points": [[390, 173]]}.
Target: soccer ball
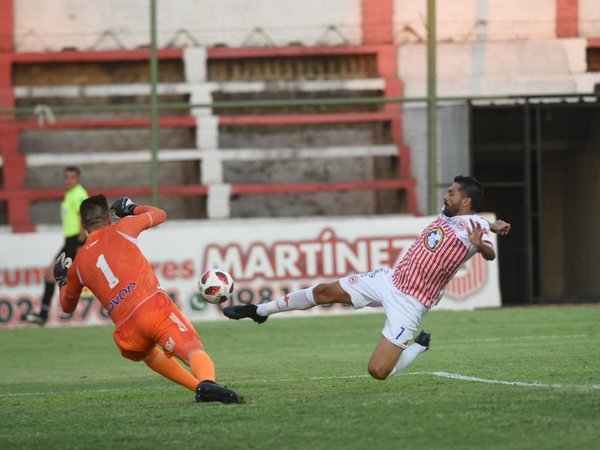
{"points": [[216, 286]]}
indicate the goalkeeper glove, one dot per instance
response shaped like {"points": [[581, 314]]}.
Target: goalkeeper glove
{"points": [[123, 207], [61, 268]]}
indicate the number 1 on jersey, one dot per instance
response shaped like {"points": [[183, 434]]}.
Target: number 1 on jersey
{"points": [[106, 271]]}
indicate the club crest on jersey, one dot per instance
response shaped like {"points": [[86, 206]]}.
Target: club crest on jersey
{"points": [[433, 239]]}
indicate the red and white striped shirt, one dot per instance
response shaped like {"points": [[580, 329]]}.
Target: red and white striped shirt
{"points": [[434, 258]]}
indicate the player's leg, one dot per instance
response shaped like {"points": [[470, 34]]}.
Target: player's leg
{"points": [[384, 358], [49, 288], [403, 317], [201, 364], [177, 336], [70, 250], [320, 294], [389, 359], [136, 347], [296, 301], [207, 390], [169, 368], [135, 339], [203, 368]]}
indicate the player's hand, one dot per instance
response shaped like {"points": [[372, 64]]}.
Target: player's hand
{"points": [[501, 227], [61, 268], [475, 233], [123, 207]]}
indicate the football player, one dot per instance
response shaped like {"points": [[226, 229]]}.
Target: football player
{"points": [[112, 266]]}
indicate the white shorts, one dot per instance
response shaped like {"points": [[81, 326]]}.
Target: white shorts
{"points": [[404, 312]]}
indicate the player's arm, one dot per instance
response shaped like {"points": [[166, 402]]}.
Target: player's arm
{"points": [[500, 226], [68, 282], [156, 215], [151, 216], [477, 235]]}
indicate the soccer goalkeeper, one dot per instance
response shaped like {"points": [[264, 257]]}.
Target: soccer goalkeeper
{"points": [[408, 290], [112, 266]]}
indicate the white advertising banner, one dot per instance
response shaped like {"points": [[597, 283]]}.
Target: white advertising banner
{"points": [[266, 257]]}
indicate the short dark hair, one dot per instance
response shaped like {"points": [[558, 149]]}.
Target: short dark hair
{"points": [[472, 188], [75, 169], [94, 211]]}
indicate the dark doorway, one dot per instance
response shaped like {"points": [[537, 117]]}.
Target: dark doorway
{"points": [[539, 161]]}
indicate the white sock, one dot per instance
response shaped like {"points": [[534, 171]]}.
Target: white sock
{"points": [[297, 300], [408, 355]]}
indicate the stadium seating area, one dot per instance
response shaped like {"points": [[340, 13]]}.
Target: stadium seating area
{"points": [[221, 161]]}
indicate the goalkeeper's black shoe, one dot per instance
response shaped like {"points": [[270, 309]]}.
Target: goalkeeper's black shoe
{"points": [[423, 339], [209, 391], [33, 318], [241, 311]]}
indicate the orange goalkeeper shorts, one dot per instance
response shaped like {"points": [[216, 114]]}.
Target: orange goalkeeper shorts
{"points": [[157, 321]]}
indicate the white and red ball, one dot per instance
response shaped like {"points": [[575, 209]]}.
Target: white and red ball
{"points": [[216, 286]]}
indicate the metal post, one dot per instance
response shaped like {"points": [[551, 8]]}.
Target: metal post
{"points": [[527, 214], [153, 105], [432, 172], [540, 198]]}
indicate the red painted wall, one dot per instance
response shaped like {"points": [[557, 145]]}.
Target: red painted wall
{"points": [[567, 18]]}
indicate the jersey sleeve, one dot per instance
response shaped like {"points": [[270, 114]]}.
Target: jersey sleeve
{"points": [[70, 293], [144, 218]]}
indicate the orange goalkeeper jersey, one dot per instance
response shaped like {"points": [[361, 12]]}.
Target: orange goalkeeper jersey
{"points": [[112, 266]]}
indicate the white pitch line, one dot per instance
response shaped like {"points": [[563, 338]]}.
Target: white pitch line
{"points": [[453, 376], [515, 338], [457, 376]]}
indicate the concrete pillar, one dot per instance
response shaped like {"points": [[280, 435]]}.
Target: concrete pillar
{"points": [[218, 201]]}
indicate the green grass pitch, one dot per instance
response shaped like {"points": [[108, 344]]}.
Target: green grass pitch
{"points": [[534, 384]]}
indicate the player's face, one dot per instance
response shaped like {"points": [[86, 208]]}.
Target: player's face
{"points": [[453, 200], [70, 179]]}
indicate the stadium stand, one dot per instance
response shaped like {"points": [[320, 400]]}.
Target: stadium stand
{"points": [[231, 158]]}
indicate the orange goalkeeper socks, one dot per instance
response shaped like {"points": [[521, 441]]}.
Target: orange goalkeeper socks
{"points": [[171, 369], [202, 365]]}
